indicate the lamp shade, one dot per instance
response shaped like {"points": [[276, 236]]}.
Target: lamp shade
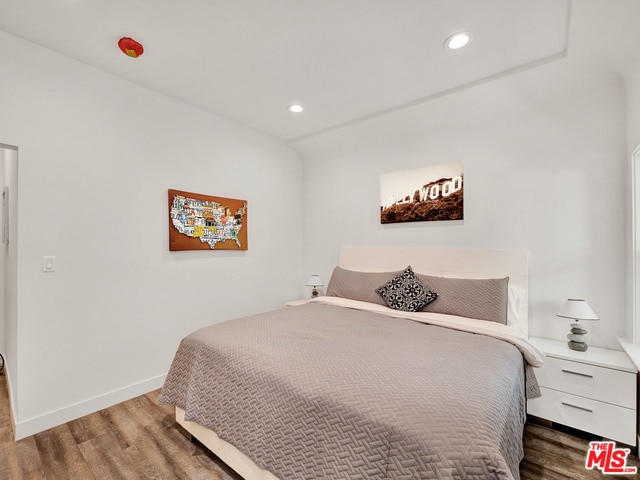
{"points": [[314, 281], [577, 309]]}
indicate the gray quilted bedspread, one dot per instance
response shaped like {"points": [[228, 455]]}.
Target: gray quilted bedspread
{"points": [[325, 392]]}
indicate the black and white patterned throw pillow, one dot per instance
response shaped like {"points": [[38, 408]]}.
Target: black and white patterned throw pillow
{"points": [[405, 292]]}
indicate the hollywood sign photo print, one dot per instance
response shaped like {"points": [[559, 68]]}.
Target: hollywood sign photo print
{"points": [[422, 195]]}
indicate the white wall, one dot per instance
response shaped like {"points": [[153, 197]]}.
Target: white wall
{"points": [[545, 165], [97, 155]]}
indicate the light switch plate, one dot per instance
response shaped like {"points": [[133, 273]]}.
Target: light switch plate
{"points": [[48, 263]]}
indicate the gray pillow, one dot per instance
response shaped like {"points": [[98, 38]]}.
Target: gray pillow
{"points": [[484, 299], [358, 285]]}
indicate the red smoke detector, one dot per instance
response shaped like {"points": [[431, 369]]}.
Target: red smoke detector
{"points": [[130, 47]]}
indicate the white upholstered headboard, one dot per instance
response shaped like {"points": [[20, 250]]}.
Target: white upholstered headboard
{"points": [[447, 262]]}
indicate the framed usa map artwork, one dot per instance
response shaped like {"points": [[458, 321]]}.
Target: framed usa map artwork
{"points": [[204, 222]]}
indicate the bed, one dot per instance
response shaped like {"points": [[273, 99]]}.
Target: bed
{"points": [[346, 387]]}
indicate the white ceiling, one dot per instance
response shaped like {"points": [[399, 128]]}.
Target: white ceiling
{"points": [[344, 60]]}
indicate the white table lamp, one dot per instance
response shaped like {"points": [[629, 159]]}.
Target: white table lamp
{"points": [[577, 310], [315, 282]]}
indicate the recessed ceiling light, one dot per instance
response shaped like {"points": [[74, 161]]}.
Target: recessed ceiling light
{"points": [[296, 108], [457, 40]]}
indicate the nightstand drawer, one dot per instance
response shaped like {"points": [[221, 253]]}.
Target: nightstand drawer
{"points": [[599, 418], [598, 383]]}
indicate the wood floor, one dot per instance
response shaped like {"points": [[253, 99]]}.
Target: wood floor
{"points": [[554, 455], [139, 439]]}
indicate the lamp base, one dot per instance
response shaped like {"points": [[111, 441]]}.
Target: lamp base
{"points": [[578, 346], [314, 292], [577, 338]]}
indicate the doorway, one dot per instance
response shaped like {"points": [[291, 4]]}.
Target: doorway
{"points": [[9, 259], [635, 261]]}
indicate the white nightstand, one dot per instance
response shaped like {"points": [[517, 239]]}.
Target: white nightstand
{"points": [[297, 303], [592, 391]]}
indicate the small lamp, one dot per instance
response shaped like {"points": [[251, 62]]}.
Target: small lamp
{"points": [[314, 281], [578, 310]]}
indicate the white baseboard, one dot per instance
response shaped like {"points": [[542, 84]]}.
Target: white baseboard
{"points": [[31, 426]]}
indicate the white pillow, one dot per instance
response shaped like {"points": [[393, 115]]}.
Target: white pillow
{"points": [[515, 304]]}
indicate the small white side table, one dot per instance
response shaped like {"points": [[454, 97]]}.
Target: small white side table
{"points": [[592, 391]]}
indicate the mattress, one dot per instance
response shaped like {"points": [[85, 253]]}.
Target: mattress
{"points": [[331, 391]]}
